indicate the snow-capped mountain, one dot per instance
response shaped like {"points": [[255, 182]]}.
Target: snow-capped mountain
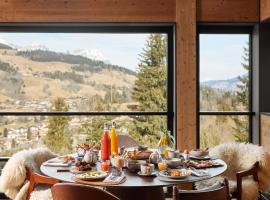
{"points": [[33, 47], [89, 53]]}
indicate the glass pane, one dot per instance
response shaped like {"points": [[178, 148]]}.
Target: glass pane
{"points": [[91, 72], [62, 133], [224, 69], [215, 130]]}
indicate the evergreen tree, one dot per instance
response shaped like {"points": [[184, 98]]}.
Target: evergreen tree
{"points": [[58, 138], [5, 133], [241, 128], [29, 134], [150, 89]]}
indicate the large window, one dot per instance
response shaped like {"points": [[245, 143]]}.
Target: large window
{"points": [[225, 71], [61, 82]]}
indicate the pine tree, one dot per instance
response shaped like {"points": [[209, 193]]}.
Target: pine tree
{"points": [[150, 89], [5, 133], [58, 138], [29, 134], [241, 128]]}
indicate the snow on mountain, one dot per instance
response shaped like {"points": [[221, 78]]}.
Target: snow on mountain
{"points": [[93, 54], [33, 47], [227, 85]]}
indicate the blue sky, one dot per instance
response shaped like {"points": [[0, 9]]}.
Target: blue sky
{"points": [[120, 49], [221, 56]]}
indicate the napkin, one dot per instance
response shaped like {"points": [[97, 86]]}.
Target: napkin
{"points": [[114, 179], [199, 173], [57, 163]]}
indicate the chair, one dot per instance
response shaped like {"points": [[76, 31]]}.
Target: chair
{"points": [[127, 141], [69, 191], [248, 170], [221, 193], [35, 180], [21, 175]]}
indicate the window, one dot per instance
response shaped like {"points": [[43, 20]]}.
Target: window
{"points": [[225, 71], [61, 82]]}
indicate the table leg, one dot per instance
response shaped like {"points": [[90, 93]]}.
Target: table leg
{"points": [[137, 193]]}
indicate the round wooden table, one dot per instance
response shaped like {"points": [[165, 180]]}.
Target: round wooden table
{"points": [[136, 187]]}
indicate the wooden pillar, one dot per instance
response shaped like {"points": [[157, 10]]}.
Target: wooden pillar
{"points": [[186, 73]]}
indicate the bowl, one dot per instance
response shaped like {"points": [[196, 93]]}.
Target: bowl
{"points": [[173, 162], [199, 153], [135, 165]]}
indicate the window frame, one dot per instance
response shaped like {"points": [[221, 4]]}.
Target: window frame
{"points": [[125, 28], [225, 29]]}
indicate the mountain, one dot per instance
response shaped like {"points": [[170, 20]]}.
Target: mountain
{"points": [[227, 85], [33, 47], [89, 53]]}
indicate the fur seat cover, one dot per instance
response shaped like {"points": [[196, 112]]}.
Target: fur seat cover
{"points": [[13, 179], [238, 157]]}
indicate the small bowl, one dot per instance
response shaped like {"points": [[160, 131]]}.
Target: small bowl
{"points": [[199, 153], [135, 165], [173, 162]]}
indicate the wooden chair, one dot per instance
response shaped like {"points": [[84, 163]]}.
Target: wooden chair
{"points": [[35, 178], [69, 191], [253, 171], [127, 141], [221, 193]]}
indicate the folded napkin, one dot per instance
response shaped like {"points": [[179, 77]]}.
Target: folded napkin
{"points": [[114, 179], [199, 173], [57, 163]]}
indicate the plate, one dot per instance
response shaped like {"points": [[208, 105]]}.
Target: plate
{"points": [[163, 174], [147, 175], [92, 176]]}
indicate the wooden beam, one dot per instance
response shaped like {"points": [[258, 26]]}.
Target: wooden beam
{"points": [[186, 73], [87, 11], [265, 10], [228, 10]]}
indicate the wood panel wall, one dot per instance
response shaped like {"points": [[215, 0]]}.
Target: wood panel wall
{"points": [[228, 10], [87, 10], [265, 131], [265, 10], [186, 73]]}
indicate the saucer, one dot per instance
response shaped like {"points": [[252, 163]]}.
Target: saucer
{"points": [[147, 175]]}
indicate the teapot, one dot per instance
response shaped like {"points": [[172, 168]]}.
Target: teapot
{"points": [[154, 158], [90, 157]]}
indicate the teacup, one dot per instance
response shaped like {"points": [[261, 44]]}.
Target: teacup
{"points": [[147, 169]]}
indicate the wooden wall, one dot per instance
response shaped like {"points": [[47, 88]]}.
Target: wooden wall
{"points": [[228, 10], [182, 12], [265, 10], [87, 10], [186, 73]]}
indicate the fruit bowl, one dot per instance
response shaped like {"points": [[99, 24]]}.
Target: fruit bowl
{"points": [[199, 153]]}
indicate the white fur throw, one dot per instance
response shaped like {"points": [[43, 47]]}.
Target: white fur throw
{"points": [[238, 157], [12, 181]]}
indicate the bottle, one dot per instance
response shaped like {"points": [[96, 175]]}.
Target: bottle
{"points": [[114, 140], [105, 144]]}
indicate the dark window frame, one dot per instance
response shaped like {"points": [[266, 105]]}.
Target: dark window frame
{"points": [[225, 29], [125, 28]]}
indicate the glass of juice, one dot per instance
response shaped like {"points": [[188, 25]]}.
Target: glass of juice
{"points": [[162, 165]]}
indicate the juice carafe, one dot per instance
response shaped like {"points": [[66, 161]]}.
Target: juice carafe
{"points": [[114, 140], [105, 144]]}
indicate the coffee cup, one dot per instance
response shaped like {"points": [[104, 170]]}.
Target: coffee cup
{"points": [[147, 169]]}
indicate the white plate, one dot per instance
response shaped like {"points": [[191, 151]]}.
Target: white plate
{"points": [[147, 175], [161, 173], [101, 176]]}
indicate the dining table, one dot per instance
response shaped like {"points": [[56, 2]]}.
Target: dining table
{"points": [[136, 187]]}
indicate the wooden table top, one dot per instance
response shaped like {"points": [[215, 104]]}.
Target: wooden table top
{"points": [[133, 180]]}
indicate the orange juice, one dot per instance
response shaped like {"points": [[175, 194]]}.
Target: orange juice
{"points": [[114, 140]]}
